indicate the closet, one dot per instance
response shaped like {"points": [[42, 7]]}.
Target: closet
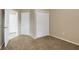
{"points": [[33, 22]]}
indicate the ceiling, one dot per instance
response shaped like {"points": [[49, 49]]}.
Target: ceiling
{"points": [[26, 10]]}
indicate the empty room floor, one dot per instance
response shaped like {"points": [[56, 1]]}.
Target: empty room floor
{"points": [[24, 42]]}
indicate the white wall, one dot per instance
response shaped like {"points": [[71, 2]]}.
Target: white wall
{"points": [[64, 24], [42, 23], [25, 23], [32, 23]]}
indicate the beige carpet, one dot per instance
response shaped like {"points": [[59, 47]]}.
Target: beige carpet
{"points": [[24, 42]]}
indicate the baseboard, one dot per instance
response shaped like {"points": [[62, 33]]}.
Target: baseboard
{"points": [[65, 40], [41, 36]]}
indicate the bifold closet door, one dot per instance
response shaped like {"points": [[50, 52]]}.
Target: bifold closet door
{"points": [[25, 23], [13, 24], [42, 24]]}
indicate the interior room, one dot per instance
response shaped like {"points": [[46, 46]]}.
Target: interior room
{"points": [[39, 29]]}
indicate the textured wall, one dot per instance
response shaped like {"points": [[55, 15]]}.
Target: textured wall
{"points": [[65, 24]]}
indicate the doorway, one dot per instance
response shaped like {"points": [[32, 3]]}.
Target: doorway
{"points": [[2, 29]]}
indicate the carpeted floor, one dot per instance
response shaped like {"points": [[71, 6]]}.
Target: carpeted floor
{"points": [[24, 42]]}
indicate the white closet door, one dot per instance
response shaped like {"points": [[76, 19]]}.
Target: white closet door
{"points": [[25, 23], [42, 26], [13, 24]]}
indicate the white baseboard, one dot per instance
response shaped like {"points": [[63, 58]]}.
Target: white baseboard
{"points": [[66, 40], [40, 36]]}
